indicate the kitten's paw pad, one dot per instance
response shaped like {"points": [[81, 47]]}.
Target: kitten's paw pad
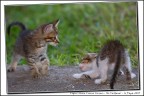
{"points": [[133, 75], [77, 76], [11, 69], [98, 81]]}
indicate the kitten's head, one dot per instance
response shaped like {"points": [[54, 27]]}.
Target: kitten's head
{"points": [[86, 62], [50, 32]]}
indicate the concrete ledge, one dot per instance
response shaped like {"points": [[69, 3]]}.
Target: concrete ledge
{"points": [[60, 80]]}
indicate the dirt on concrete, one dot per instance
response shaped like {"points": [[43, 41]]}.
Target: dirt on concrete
{"points": [[60, 80]]}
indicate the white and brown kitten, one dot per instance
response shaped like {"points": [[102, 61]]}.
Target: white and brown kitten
{"points": [[32, 44], [112, 56]]}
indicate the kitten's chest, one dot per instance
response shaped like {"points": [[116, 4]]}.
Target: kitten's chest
{"points": [[41, 49], [35, 45]]}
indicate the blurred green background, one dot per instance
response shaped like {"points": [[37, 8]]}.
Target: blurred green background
{"points": [[83, 27]]}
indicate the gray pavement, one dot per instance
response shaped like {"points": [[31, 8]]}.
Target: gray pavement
{"points": [[60, 80]]}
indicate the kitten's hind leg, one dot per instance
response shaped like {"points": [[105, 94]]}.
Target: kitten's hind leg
{"points": [[13, 65], [127, 65], [129, 74]]}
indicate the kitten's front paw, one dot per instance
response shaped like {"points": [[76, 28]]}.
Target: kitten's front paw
{"points": [[36, 75], [133, 75], [44, 72], [77, 76], [98, 81]]}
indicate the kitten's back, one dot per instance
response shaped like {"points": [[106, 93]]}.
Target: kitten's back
{"points": [[111, 49]]}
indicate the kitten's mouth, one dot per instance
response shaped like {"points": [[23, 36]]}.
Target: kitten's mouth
{"points": [[47, 40], [53, 43], [56, 42], [81, 70]]}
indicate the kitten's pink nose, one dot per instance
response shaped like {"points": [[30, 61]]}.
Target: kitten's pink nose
{"points": [[81, 67]]}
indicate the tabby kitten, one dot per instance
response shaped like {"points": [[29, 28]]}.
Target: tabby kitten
{"points": [[32, 44], [112, 56]]}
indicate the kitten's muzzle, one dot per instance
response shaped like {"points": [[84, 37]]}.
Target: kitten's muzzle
{"points": [[55, 41], [81, 67]]}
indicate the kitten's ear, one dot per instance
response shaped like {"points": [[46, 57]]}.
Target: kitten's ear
{"points": [[93, 55], [55, 23], [48, 28]]}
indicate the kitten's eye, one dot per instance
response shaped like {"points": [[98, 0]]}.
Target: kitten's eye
{"points": [[53, 38], [85, 61]]}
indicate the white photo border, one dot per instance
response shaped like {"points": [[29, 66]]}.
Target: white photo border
{"points": [[3, 50]]}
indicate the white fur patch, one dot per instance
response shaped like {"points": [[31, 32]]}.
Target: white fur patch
{"points": [[128, 62], [98, 81], [77, 76], [122, 73], [133, 75], [57, 38], [128, 65], [92, 74], [53, 44], [111, 66]]}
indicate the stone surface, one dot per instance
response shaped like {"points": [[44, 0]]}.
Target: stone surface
{"points": [[60, 80]]}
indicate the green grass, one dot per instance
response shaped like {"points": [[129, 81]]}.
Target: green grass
{"points": [[83, 28]]}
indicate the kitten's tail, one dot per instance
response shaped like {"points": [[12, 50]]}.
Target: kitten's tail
{"points": [[116, 69], [22, 26]]}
